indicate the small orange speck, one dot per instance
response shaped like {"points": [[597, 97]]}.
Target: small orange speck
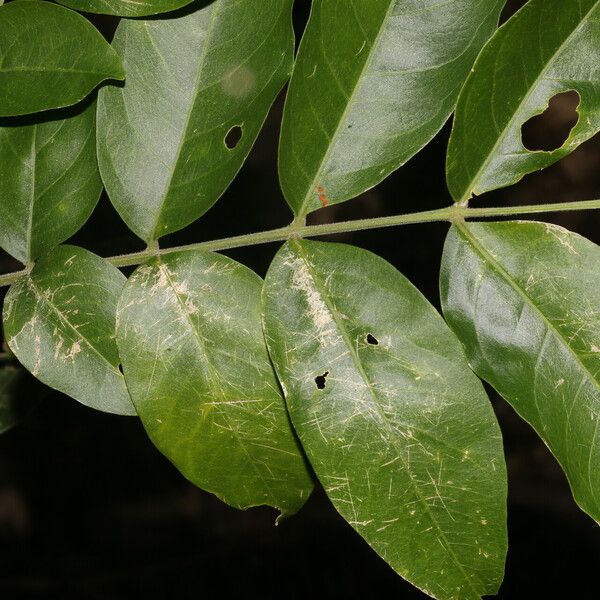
{"points": [[322, 196]]}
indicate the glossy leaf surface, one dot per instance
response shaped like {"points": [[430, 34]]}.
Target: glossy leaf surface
{"points": [[195, 361], [525, 300], [397, 428], [51, 57], [545, 49], [126, 8], [49, 180], [60, 323], [373, 83], [191, 81]]}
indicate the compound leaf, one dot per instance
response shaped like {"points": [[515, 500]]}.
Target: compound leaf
{"points": [[544, 49], [168, 141], [51, 57], [49, 180], [195, 361], [373, 83], [397, 428], [126, 8], [59, 321], [524, 298]]}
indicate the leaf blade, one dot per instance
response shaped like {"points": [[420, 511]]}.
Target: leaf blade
{"points": [[370, 88], [59, 321], [162, 138], [189, 334], [51, 58], [379, 453], [486, 150], [49, 180], [538, 325]]}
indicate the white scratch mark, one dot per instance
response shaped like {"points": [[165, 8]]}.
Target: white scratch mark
{"points": [[319, 313]]}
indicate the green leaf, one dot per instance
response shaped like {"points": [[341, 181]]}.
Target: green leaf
{"points": [[545, 49], [17, 396], [49, 180], [397, 428], [195, 361], [524, 298], [373, 83], [191, 81], [50, 57], [59, 321], [126, 8]]}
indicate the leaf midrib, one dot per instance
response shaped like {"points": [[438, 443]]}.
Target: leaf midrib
{"points": [[500, 270], [217, 10], [349, 104], [63, 319], [216, 389], [320, 288], [496, 266]]}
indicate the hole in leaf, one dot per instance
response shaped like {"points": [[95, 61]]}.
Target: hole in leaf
{"points": [[121, 368], [549, 130], [233, 137], [320, 380], [510, 8], [371, 339]]}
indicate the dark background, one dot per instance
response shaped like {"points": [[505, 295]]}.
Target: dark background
{"points": [[90, 510]]}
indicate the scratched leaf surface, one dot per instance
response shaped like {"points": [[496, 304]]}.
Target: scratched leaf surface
{"points": [[125, 8], [373, 83], [397, 428], [195, 361], [545, 49], [524, 298], [50, 57], [49, 180], [191, 81], [60, 323]]}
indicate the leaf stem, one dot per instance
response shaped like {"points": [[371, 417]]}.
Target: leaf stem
{"points": [[449, 213]]}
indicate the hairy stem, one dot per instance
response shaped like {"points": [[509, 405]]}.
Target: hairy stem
{"points": [[296, 229]]}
